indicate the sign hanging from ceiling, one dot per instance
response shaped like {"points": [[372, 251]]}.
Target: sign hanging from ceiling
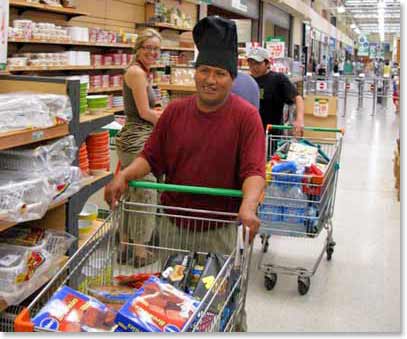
{"points": [[363, 46], [241, 5]]}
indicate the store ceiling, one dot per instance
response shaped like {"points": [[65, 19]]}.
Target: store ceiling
{"points": [[365, 14]]}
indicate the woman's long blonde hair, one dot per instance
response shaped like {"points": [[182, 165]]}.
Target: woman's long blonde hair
{"points": [[144, 35]]}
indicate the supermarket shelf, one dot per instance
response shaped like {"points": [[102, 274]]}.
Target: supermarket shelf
{"points": [[90, 122], [92, 117], [116, 109], [91, 180], [105, 90], [70, 43], [184, 49], [31, 135], [85, 237], [62, 68], [179, 88], [6, 225], [163, 25], [23, 6], [158, 66]]}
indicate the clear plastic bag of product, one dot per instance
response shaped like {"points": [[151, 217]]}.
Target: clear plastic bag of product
{"points": [[67, 180], [59, 105], [58, 153], [21, 110], [24, 196]]}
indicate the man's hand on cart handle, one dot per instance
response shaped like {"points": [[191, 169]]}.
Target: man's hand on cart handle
{"points": [[298, 128], [115, 189], [248, 218]]}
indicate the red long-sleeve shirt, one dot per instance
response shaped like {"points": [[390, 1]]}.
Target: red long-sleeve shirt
{"points": [[217, 149]]}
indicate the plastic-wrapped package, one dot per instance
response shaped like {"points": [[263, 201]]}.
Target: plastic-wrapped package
{"points": [[51, 161], [28, 258], [21, 110], [59, 105], [23, 196], [58, 153], [68, 181]]}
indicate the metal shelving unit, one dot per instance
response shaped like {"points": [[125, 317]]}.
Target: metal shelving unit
{"points": [[78, 127]]}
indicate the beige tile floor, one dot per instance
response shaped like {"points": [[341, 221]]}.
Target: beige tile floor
{"points": [[359, 290]]}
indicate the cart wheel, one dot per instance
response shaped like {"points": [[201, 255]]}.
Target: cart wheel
{"points": [[270, 281], [329, 252], [265, 245], [303, 285]]}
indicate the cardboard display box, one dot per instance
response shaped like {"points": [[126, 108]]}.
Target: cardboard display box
{"points": [[328, 122], [311, 99]]}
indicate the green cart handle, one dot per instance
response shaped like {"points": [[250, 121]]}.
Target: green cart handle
{"points": [[307, 128], [225, 192]]}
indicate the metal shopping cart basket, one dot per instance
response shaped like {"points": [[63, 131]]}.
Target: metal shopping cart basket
{"points": [[298, 203], [109, 253]]}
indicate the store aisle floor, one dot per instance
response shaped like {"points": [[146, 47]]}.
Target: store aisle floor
{"points": [[359, 290]]}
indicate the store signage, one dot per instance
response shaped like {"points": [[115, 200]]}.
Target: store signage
{"points": [[276, 47], [241, 5], [372, 50], [322, 85], [4, 12], [321, 108], [363, 47]]}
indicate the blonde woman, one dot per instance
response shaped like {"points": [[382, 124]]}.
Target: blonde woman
{"points": [[141, 116]]}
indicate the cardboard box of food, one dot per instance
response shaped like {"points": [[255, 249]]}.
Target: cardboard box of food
{"points": [[328, 122], [156, 307], [329, 102]]}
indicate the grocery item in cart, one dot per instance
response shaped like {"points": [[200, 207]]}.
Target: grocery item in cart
{"points": [[177, 269], [213, 265], [134, 280], [113, 296], [157, 307], [71, 311], [302, 154]]}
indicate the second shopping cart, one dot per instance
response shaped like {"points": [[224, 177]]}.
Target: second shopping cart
{"points": [[302, 176]]}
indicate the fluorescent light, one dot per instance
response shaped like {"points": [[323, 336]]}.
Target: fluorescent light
{"points": [[341, 9]]}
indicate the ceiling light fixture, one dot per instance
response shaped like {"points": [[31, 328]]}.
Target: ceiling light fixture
{"points": [[341, 9]]}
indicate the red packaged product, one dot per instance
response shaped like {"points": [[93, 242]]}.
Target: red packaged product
{"points": [[71, 311]]}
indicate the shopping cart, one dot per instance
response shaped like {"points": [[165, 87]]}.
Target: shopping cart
{"points": [[109, 253], [299, 204]]}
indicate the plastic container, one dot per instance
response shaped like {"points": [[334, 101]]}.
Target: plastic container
{"points": [[86, 217], [12, 265], [99, 165]]}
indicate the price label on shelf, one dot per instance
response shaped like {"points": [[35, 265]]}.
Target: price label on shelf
{"points": [[37, 135]]}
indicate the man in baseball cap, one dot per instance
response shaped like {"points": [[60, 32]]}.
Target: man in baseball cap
{"points": [[275, 91]]}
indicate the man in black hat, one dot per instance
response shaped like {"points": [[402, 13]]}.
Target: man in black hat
{"points": [[214, 139]]}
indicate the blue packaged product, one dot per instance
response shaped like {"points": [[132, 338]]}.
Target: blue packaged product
{"points": [[285, 167], [71, 311], [157, 307]]}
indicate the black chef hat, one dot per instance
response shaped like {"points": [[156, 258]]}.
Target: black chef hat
{"points": [[216, 40]]}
